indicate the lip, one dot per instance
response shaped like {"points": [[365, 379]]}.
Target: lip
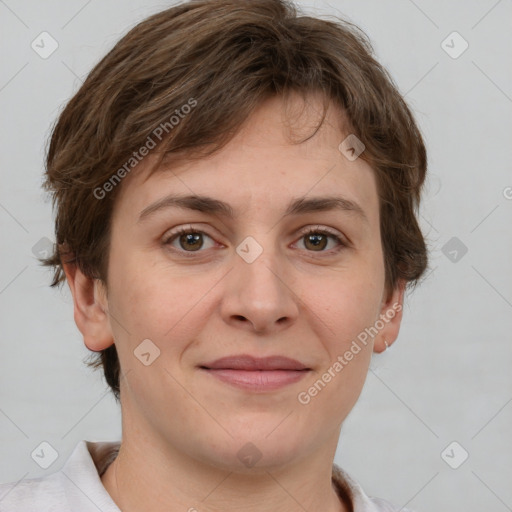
{"points": [[248, 363], [255, 373]]}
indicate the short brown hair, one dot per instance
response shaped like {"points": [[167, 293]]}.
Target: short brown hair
{"points": [[228, 56]]}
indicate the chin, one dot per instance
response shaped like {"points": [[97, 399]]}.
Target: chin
{"points": [[253, 454]]}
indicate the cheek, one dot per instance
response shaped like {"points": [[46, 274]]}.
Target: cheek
{"points": [[347, 302], [350, 305], [156, 302], [344, 335]]}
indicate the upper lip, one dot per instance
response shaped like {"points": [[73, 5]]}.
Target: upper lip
{"points": [[247, 362]]}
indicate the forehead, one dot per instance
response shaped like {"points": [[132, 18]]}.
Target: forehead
{"points": [[263, 163]]}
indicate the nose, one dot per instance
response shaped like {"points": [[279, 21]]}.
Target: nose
{"points": [[258, 295]]}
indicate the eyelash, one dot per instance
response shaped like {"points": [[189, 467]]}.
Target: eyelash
{"points": [[307, 231]]}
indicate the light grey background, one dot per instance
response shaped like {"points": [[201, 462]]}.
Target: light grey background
{"points": [[448, 378]]}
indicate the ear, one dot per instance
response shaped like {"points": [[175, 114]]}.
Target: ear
{"points": [[90, 308], [391, 317]]}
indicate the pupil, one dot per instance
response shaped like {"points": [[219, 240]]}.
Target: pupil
{"points": [[191, 237], [316, 240]]}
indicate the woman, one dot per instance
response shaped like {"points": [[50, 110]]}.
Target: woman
{"points": [[236, 188]]}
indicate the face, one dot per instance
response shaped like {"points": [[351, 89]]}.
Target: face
{"points": [[269, 280]]}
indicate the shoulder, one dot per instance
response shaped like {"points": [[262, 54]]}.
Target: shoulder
{"points": [[360, 502], [77, 486], [381, 505], [47, 492]]}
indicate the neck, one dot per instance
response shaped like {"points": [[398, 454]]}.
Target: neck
{"points": [[146, 476]]}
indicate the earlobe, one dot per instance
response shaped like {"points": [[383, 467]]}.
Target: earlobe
{"points": [[90, 308], [391, 318]]}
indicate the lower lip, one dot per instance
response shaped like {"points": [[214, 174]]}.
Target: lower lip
{"points": [[260, 380]]}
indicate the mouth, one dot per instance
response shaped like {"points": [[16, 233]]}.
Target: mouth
{"points": [[256, 374]]}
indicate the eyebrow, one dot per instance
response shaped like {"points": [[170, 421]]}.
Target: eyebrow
{"points": [[212, 206]]}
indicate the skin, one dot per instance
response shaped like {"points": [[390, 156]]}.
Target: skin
{"points": [[182, 428]]}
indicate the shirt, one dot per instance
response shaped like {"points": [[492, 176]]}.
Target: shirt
{"points": [[77, 487]]}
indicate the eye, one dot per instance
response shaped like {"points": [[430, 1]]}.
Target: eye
{"points": [[317, 239], [188, 240]]}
